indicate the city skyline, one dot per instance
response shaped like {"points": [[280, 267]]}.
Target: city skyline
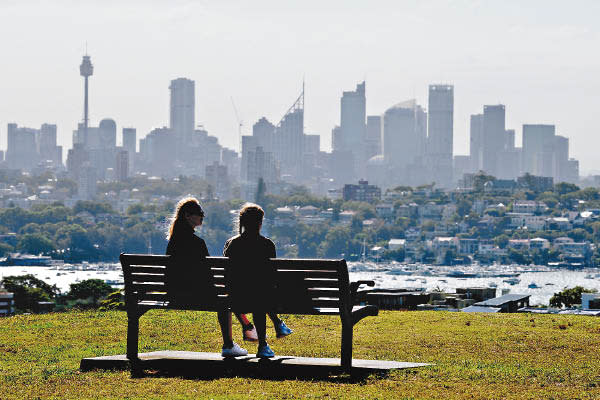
{"points": [[136, 97]]}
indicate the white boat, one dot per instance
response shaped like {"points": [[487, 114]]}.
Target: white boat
{"points": [[533, 285], [492, 284], [512, 281]]}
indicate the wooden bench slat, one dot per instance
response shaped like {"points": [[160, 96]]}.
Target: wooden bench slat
{"points": [[153, 297], [144, 269], [147, 278], [329, 293], [317, 274], [148, 287], [141, 259], [321, 283]]}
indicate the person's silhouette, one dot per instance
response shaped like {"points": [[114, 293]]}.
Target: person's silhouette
{"points": [[187, 281], [251, 280]]}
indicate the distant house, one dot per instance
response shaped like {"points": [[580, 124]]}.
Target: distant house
{"points": [[284, 216], [467, 246], [444, 243], [430, 210], [509, 303], [384, 210], [7, 306], [346, 217], [590, 301], [396, 244], [518, 244], [539, 243], [527, 220], [500, 185], [529, 206], [558, 223]]}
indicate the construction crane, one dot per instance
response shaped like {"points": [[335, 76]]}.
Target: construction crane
{"points": [[239, 122]]}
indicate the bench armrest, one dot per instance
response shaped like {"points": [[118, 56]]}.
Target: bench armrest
{"points": [[355, 285]]}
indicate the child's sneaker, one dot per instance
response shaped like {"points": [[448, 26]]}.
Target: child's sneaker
{"points": [[282, 330], [250, 334], [265, 352]]}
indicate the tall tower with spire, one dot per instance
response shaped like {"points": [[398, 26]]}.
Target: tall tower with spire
{"points": [[86, 69]]}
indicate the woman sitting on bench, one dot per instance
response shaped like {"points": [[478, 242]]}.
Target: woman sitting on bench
{"points": [[251, 283], [192, 285]]}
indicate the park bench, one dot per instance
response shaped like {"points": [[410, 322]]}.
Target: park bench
{"points": [[307, 286]]}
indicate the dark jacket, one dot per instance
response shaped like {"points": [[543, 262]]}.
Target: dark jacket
{"points": [[188, 279], [251, 278]]}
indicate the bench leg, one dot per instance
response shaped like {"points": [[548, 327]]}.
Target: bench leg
{"points": [[133, 327], [346, 346]]}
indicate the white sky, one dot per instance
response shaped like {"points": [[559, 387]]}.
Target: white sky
{"points": [[539, 58]]}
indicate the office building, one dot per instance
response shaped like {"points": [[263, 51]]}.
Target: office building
{"points": [[404, 129], [218, 178], [538, 142], [373, 137], [352, 126], [440, 136], [361, 192], [182, 118], [122, 165], [129, 144], [494, 137], [86, 182], [476, 142]]}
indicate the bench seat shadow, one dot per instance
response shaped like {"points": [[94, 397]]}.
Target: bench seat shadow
{"points": [[204, 365]]}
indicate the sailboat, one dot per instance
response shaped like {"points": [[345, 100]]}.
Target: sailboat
{"points": [[363, 264]]}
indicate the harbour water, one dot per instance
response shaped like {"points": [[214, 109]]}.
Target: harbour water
{"points": [[516, 279]]}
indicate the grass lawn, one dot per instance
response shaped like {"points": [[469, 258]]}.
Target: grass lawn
{"points": [[484, 356]]}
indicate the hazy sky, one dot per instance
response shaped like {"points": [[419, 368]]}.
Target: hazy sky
{"points": [[539, 58]]}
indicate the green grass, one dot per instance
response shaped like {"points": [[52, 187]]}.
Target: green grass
{"points": [[488, 356]]}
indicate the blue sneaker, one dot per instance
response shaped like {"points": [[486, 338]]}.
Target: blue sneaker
{"points": [[282, 330], [265, 352]]}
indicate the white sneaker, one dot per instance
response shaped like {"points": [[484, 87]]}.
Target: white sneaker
{"points": [[233, 351]]}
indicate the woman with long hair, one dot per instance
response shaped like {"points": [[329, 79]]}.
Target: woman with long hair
{"points": [[186, 282], [251, 288]]}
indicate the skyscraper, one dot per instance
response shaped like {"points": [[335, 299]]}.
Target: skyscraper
{"points": [[182, 110], [560, 171], [404, 131], [289, 140], [538, 140], [476, 150], [494, 137], [352, 125], [122, 165], [404, 128], [129, 140], [441, 133], [373, 137], [21, 147]]}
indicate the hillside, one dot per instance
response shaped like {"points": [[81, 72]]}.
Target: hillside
{"points": [[476, 356]]}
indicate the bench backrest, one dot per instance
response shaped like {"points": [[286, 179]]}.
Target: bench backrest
{"points": [[303, 286]]}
